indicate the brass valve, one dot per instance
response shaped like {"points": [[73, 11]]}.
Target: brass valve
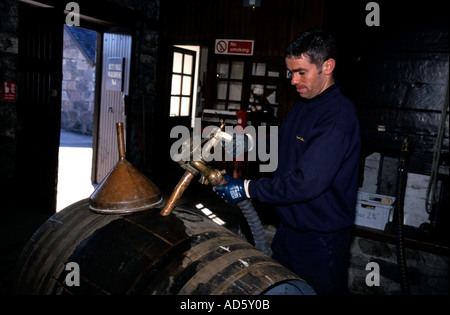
{"points": [[210, 175], [194, 166]]}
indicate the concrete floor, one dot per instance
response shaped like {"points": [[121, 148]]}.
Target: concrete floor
{"points": [[74, 171]]}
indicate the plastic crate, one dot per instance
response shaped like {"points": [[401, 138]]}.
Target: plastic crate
{"points": [[373, 210]]}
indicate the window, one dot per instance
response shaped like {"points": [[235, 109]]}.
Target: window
{"points": [[182, 82], [256, 85], [230, 76], [264, 87]]}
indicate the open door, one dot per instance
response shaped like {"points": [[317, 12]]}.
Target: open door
{"points": [[182, 87], [39, 106], [115, 77], [180, 94]]}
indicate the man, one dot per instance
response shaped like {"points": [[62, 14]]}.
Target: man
{"points": [[315, 185]]}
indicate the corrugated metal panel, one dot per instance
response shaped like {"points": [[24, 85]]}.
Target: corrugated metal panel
{"points": [[112, 106]]}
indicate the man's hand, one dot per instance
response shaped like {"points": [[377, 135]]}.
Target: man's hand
{"points": [[233, 191]]}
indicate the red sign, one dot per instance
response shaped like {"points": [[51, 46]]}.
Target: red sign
{"points": [[9, 91], [234, 47]]}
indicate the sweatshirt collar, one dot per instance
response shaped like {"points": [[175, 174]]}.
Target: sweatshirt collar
{"points": [[330, 89]]}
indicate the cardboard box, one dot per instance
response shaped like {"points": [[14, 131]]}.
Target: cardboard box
{"points": [[373, 210]]}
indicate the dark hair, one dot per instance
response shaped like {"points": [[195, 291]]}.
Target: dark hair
{"points": [[317, 45]]}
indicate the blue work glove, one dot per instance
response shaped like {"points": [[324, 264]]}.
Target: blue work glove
{"points": [[233, 191]]}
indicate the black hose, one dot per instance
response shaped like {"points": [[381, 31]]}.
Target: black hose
{"points": [[398, 219], [250, 214]]}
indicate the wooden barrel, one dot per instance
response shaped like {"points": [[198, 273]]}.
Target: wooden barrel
{"points": [[145, 253]]}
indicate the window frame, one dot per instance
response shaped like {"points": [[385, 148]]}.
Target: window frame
{"points": [[182, 95]]}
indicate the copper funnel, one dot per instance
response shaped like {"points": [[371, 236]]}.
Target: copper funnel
{"points": [[124, 189]]}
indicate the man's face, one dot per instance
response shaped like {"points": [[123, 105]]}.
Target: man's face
{"points": [[309, 79]]}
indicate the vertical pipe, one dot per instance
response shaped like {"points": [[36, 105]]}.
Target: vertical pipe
{"points": [[398, 218], [120, 140], [177, 193]]}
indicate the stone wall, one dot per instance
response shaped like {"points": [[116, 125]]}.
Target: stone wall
{"points": [[427, 273], [78, 88], [9, 48]]}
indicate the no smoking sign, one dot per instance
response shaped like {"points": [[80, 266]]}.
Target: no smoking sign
{"points": [[234, 47]]}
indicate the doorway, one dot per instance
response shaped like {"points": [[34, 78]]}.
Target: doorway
{"points": [[40, 61], [95, 86], [77, 116], [183, 81]]}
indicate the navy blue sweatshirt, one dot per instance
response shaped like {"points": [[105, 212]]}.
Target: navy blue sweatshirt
{"points": [[315, 184]]}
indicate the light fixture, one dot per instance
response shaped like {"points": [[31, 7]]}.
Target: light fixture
{"points": [[252, 3]]}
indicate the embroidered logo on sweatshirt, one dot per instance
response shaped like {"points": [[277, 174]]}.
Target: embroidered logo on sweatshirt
{"points": [[300, 138]]}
